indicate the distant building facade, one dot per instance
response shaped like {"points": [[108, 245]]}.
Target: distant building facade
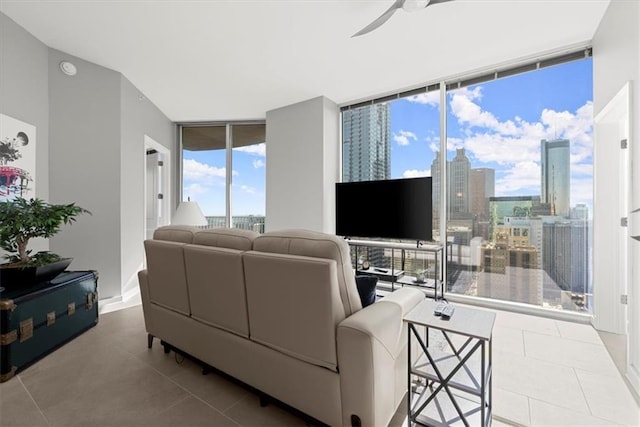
{"points": [[556, 175], [366, 143]]}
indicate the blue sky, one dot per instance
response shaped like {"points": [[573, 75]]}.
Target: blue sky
{"points": [[499, 123]]}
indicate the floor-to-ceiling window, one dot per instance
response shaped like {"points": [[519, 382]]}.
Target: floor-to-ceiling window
{"points": [[520, 187], [517, 187], [223, 170], [391, 138]]}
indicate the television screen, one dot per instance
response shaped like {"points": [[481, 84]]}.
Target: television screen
{"points": [[394, 209]]}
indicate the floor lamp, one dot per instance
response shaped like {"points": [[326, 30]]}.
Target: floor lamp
{"points": [[189, 213]]}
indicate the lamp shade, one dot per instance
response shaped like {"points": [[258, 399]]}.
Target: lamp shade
{"points": [[189, 213]]}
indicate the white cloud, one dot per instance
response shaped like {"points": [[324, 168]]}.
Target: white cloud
{"points": [[515, 143], [415, 173], [404, 137], [522, 178], [248, 189], [196, 171], [256, 149], [258, 163], [430, 98], [193, 190], [582, 192]]}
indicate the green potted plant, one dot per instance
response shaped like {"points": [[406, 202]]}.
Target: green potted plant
{"points": [[421, 276], [21, 220]]}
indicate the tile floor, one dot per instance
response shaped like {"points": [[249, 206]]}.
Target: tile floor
{"points": [[546, 373]]}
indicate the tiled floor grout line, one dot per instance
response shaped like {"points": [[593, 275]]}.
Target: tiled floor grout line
{"points": [[584, 395], [609, 422], [34, 401], [189, 393]]}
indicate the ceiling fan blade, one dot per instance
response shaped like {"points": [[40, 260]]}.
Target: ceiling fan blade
{"points": [[436, 2], [382, 19]]}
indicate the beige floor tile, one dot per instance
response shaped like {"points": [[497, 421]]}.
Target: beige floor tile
{"points": [[508, 339], [249, 413], [578, 332], [16, 406], [544, 414], [549, 382], [213, 389], [497, 423], [190, 412], [575, 354], [510, 406], [540, 325], [109, 389], [609, 398]]}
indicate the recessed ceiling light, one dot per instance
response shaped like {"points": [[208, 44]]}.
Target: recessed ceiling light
{"points": [[68, 68]]}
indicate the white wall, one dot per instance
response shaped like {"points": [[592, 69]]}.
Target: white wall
{"points": [[24, 95], [85, 166], [616, 50], [302, 165], [90, 145], [138, 117]]}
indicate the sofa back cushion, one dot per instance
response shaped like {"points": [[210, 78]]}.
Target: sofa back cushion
{"points": [[215, 278], [318, 245], [175, 233], [167, 276], [231, 238], [294, 305]]}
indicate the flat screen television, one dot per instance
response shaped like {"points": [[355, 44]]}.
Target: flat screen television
{"points": [[393, 209]]}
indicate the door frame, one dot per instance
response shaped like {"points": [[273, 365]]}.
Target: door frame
{"points": [[167, 191], [610, 314]]}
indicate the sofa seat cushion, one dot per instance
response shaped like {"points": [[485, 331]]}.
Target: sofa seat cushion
{"points": [[318, 245]]}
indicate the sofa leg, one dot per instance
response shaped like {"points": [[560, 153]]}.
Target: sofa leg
{"points": [[149, 340], [356, 421], [264, 400], [166, 346], [205, 371]]}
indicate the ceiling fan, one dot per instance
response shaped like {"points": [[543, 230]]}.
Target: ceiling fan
{"points": [[407, 5]]}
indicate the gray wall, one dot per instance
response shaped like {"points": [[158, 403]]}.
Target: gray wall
{"points": [[302, 166], [90, 150], [24, 95], [138, 117], [84, 161]]}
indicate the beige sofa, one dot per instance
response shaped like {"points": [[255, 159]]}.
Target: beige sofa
{"points": [[280, 312]]}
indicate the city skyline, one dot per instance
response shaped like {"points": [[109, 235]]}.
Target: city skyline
{"points": [[500, 124]]}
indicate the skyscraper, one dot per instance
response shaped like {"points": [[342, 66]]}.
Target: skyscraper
{"points": [[366, 155], [554, 162], [459, 171], [366, 147], [482, 186]]}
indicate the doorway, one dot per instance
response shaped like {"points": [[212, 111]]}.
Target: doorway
{"points": [[616, 278], [157, 187]]}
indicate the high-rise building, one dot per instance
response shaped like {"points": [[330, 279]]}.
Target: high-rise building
{"points": [[482, 185], [366, 155], [366, 143], [566, 255], [459, 172], [436, 197], [555, 173]]}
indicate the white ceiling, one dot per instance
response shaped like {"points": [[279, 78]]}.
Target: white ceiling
{"points": [[237, 59]]}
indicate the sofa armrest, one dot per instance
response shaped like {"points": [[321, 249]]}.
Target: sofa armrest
{"points": [[372, 358]]}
